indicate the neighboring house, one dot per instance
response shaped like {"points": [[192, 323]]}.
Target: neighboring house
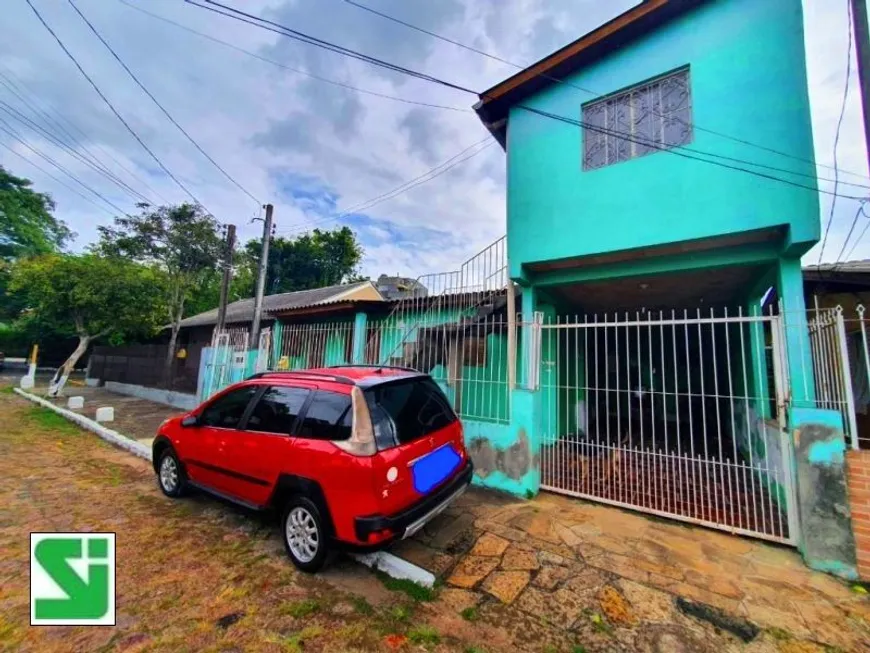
{"points": [[332, 299], [400, 287]]}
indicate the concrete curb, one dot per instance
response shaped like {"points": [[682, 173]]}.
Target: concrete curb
{"points": [[396, 567], [382, 561], [119, 440]]}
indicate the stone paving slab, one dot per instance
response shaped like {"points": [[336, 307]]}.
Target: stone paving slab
{"points": [[614, 576]]}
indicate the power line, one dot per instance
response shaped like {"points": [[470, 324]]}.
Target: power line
{"points": [[860, 236], [111, 106], [858, 214], [160, 106], [675, 150], [295, 70], [20, 117], [837, 137], [427, 176], [586, 90], [9, 130], [19, 88], [51, 176]]}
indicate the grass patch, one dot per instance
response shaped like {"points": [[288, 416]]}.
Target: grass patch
{"points": [[299, 609], [409, 587], [50, 421], [402, 613], [425, 635], [7, 390], [599, 624], [474, 649], [470, 614], [362, 606], [578, 648], [779, 634], [296, 643]]}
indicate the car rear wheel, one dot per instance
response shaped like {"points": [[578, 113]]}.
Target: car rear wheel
{"points": [[170, 475], [304, 534]]}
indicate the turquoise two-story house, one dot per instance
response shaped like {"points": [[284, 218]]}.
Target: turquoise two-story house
{"points": [[661, 191]]}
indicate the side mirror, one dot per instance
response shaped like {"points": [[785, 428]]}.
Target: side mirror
{"points": [[190, 420]]}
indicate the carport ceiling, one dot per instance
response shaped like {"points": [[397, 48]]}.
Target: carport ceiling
{"points": [[685, 290]]}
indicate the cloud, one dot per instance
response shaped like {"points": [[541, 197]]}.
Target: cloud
{"points": [[312, 149]]}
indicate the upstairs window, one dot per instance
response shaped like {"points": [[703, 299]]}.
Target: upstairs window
{"points": [[639, 121]]}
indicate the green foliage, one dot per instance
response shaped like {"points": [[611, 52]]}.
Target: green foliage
{"points": [[425, 635], [299, 609], [362, 606], [182, 241], [89, 296], [27, 226], [50, 421], [409, 587], [321, 258], [470, 614]]}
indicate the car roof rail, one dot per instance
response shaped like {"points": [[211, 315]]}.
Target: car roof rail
{"points": [[380, 367], [338, 378]]}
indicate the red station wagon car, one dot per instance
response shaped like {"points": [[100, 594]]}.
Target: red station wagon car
{"points": [[356, 456]]}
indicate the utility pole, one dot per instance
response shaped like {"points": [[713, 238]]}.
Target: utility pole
{"points": [[227, 278], [254, 342], [862, 51]]}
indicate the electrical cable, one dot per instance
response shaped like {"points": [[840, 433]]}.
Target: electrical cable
{"points": [[294, 34], [20, 117], [294, 70], [837, 137], [427, 176], [586, 90], [51, 176], [9, 130], [110, 105], [18, 88], [159, 105]]}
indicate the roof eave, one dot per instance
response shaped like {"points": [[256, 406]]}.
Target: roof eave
{"points": [[495, 103]]}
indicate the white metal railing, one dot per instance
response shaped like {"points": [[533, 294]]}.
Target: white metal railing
{"points": [[834, 364], [469, 359], [452, 296], [670, 413], [320, 344]]}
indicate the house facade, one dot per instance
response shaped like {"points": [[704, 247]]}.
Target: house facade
{"points": [[641, 336]]}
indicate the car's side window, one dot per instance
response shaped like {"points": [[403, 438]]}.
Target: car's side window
{"points": [[329, 417], [226, 411], [277, 410]]}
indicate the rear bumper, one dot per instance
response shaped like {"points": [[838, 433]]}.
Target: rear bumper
{"points": [[409, 521]]}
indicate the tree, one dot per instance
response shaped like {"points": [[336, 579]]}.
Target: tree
{"points": [[183, 241], [89, 297], [321, 258], [27, 227]]}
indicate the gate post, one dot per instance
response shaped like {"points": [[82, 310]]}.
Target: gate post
{"points": [[358, 352]]}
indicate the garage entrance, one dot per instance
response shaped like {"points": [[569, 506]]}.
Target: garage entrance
{"points": [[677, 413]]}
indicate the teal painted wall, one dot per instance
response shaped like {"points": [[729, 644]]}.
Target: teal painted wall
{"points": [[748, 79]]}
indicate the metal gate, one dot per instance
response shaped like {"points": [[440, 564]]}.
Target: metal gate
{"points": [[679, 416]]}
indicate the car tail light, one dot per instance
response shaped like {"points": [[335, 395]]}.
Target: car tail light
{"points": [[362, 435]]}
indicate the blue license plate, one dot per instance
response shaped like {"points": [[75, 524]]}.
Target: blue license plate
{"points": [[430, 470]]}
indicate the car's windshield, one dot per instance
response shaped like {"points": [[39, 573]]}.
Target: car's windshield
{"points": [[404, 411]]}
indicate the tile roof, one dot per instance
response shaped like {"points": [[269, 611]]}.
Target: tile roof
{"points": [[243, 310]]}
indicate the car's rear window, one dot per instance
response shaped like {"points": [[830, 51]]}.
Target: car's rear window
{"points": [[405, 411]]}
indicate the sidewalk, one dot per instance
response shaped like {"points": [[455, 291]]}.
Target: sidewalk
{"points": [[579, 565], [605, 574], [134, 417]]}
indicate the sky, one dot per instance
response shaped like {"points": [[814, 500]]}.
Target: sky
{"points": [[318, 151]]}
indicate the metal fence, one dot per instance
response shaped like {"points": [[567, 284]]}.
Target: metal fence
{"points": [[834, 365], [670, 414], [301, 346], [469, 359]]}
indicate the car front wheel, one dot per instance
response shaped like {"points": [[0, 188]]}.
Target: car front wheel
{"points": [[170, 475], [304, 535]]}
